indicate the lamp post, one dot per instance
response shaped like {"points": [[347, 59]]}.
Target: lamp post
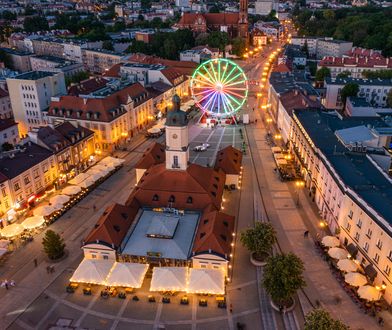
{"points": [[299, 185]]}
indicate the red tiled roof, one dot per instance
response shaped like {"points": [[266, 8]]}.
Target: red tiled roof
{"points": [[211, 49], [215, 233], [114, 71], [229, 160], [367, 62], [363, 52], [153, 156], [172, 75], [103, 107], [87, 86], [204, 185], [113, 225], [282, 67], [294, 99]]}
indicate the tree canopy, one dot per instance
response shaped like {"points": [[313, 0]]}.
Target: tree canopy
{"points": [[35, 24], [350, 89], [319, 319], [283, 277], [383, 74], [259, 239], [389, 98], [368, 27], [54, 245], [323, 73]]}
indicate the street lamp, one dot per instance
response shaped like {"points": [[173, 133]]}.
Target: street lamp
{"points": [[299, 184], [278, 137]]}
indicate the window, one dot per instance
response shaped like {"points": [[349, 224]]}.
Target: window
{"points": [[172, 199], [376, 258], [16, 186], [357, 236], [3, 192], [390, 255], [379, 244], [26, 180], [359, 223], [348, 227], [350, 214], [189, 200], [93, 256], [387, 270], [175, 162], [366, 247], [105, 257], [369, 233]]}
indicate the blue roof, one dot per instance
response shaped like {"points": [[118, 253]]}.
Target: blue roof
{"points": [[354, 169]]}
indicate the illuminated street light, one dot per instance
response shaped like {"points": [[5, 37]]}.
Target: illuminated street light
{"points": [[269, 120]]}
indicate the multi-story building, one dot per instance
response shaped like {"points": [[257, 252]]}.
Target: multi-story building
{"points": [[5, 105], [355, 66], [321, 47], [373, 90], [20, 60], [197, 56], [8, 132], [264, 7], [114, 112], [273, 30], [351, 191], [99, 61], [55, 64], [259, 38], [30, 95], [25, 173]]}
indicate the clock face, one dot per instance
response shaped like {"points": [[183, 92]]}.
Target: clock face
{"points": [[174, 136]]}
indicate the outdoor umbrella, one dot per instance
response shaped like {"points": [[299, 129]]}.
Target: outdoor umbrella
{"points": [[355, 279], [330, 241], [44, 210], [347, 265], [12, 230], [337, 253], [86, 183], [59, 199], [33, 222], [369, 293], [71, 190]]}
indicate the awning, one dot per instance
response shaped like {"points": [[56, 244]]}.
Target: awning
{"points": [[79, 178], [71, 190], [281, 162], [33, 222], [352, 250], [92, 271], [12, 230], [210, 281], [276, 149], [59, 199], [44, 210], [370, 272], [127, 274], [337, 253], [169, 279]]}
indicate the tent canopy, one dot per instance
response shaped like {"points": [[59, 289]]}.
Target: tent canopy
{"points": [[355, 279], [71, 190], [369, 293], [347, 265], [33, 222], [92, 271], [169, 279], [79, 178], [59, 199], [44, 210], [206, 281], [12, 230], [127, 274], [337, 253], [330, 241]]}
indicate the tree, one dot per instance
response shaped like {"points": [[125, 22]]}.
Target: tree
{"points": [[218, 39], [389, 98], [323, 73], [344, 74], [35, 24], [319, 319], [107, 44], [5, 58], [350, 89], [259, 240], [76, 78], [283, 277], [305, 49], [54, 245], [146, 4], [9, 15], [7, 146], [238, 46]]}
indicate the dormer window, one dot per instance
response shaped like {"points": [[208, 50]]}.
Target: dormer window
{"points": [[189, 200], [172, 199], [155, 198]]}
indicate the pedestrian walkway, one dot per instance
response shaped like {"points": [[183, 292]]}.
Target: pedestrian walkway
{"points": [[290, 223]]}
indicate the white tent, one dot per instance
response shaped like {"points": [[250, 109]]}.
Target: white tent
{"points": [[87, 183], [330, 241], [338, 253], [92, 271], [59, 199], [33, 222], [210, 281], [112, 161], [44, 210], [355, 279], [154, 130], [127, 274], [347, 265], [79, 178], [71, 190], [12, 230], [169, 279], [369, 293], [281, 162]]}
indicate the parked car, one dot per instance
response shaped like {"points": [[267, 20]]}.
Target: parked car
{"points": [[206, 145], [200, 148]]}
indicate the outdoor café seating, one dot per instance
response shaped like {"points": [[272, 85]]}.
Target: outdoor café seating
{"points": [[87, 291], [135, 298], [71, 287], [203, 303], [122, 295], [151, 299], [105, 294], [166, 300], [184, 300]]}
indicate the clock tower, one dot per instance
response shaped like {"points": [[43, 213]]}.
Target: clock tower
{"points": [[177, 139], [243, 21]]}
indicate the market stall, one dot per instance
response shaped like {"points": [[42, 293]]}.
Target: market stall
{"points": [[169, 279]]}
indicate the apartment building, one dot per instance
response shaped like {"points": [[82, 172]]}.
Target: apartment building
{"points": [[5, 105], [8, 132], [25, 173], [55, 64], [374, 91], [99, 60], [197, 56], [351, 191], [355, 66], [321, 47], [20, 60], [30, 95], [114, 113]]}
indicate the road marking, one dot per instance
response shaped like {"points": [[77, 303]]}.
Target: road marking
{"points": [[194, 311], [88, 308], [120, 312], [158, 315], [242, 285], [50, 311]]}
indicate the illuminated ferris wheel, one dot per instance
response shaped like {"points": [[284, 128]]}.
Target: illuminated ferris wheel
{"points": [[219, 87]]}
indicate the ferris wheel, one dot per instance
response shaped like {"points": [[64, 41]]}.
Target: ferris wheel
{"points": [[219, 87]]}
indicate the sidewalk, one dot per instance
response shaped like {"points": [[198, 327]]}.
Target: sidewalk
{"points": [[290, 223]]}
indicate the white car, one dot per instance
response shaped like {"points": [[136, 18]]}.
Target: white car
{"points": [[200, 148], [205, 145]]}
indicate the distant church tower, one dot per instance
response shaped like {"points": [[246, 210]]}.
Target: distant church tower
{"points": [[177, 139], [243, 20]]}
